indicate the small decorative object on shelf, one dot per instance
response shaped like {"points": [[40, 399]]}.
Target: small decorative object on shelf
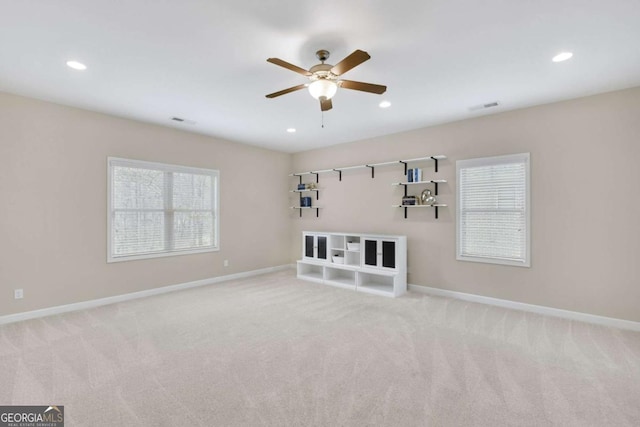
{"points": [[426, 198], [309, 186], [305, 202], [338, 259], [409, 200], [414, 175]]}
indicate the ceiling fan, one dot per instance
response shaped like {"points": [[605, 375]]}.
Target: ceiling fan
{"points": [[325, 78]]}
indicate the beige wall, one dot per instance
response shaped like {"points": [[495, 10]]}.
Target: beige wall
{"points": [[53, 204], [585, 232], [585, 204]]}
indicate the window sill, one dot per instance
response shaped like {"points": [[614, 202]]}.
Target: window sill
{"points": [[499, 261], [112, 259]]}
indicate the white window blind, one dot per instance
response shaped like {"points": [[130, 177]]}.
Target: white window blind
{"points": [[493, 210], [158, 209]]}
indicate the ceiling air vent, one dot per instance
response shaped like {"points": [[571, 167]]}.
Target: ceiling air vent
{"points": [[483, 106], [181, 120]]}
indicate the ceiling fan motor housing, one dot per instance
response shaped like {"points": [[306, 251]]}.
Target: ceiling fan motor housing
{"points": [[322, 71]]}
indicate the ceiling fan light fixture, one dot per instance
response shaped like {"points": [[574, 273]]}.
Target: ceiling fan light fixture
{"points": [[323, 88]]}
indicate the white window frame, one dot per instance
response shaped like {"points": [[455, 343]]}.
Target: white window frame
{"points": [[117, 161], [492, 161]]}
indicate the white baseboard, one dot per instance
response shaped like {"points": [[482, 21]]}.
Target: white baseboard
{"points": [[539, 309], [49, 311]]}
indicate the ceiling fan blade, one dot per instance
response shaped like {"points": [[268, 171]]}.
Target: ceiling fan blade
{"points": [[286, 91], [325, 104], [289, 66], [353, 60], [364, 87]]}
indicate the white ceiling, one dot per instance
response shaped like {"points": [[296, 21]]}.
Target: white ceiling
{"points": [[205, 60]]}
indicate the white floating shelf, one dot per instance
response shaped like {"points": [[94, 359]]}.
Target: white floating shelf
{"points": [[435, 206], [302, 173], [304, 191], [419, 206], [433, 181], [369, 165], [305, 207], [419, 159]]}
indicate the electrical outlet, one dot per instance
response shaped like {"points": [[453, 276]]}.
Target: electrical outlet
{"points": [[18, 293], [226, 263]]}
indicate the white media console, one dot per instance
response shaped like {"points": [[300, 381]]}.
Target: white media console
{"points": [[371, 263]]}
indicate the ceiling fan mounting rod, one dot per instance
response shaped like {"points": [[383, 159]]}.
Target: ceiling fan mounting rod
{"points": [[322, 55]]}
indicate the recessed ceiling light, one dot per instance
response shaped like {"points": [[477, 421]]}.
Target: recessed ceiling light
{"points": [[76, 65], [562, 56], [291, 130], [384, 104]]}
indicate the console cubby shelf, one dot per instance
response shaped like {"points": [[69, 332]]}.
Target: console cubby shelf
{"points": [[310, 271], [371, 263]]}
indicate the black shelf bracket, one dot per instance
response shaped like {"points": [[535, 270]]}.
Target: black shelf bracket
{"points": [[339, 174], [436, 163], [436, 185], [405, 167], [318, 194], [300, 177], [300, 209], [316, 174], [405, 212], [372, 171], [318, 213]]}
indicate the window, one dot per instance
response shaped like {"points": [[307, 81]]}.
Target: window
{"points": [[493, 213], [160, 210]]}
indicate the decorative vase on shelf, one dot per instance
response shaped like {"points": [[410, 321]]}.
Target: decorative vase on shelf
{"points": [[427, 198]]}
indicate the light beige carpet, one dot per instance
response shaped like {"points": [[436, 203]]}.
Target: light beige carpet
{"points": [[276, 351]]}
